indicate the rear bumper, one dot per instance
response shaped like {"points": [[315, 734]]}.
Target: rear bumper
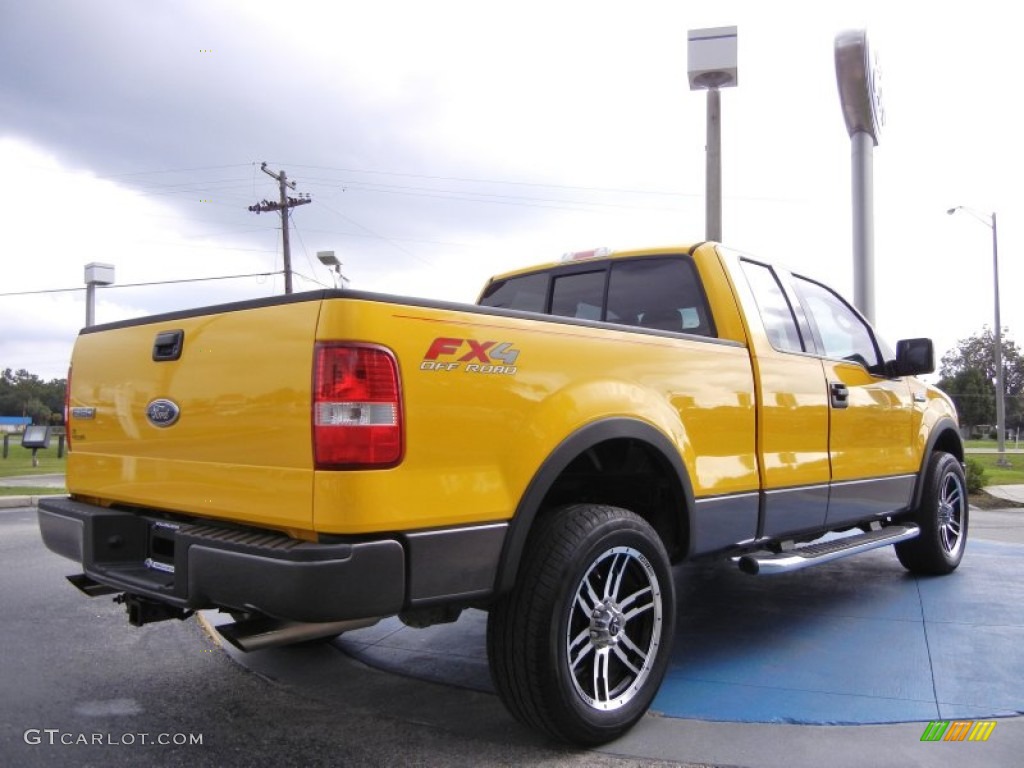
{"points": [[194, 566]]}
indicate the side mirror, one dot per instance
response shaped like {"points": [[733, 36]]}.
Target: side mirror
{"points": [[913, 357]]}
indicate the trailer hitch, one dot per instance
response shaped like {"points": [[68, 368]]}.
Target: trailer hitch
{"points": [[142, 610]]}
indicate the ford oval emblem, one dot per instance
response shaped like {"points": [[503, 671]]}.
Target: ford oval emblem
{"points": [[162, 412]]}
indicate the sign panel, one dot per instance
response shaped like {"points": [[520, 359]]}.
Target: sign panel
{"points": [[860, 84]]}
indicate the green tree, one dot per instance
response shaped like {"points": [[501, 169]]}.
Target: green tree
{"points": [[25, 394], [968, 374], [974, 397]]}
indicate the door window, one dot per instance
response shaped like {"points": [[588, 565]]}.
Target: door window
{"points": [[774, 308], [843, 333]]}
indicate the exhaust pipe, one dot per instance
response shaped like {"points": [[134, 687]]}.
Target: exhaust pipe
{"points": [[265, 632]]}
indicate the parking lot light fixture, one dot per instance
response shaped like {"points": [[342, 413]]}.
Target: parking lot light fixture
{"points": [[989, 220]]}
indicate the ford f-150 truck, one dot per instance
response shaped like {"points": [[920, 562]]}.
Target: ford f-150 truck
{"points": [[314, 462]]}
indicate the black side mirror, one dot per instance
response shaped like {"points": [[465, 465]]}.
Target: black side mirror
{"points": [[913, 357]]}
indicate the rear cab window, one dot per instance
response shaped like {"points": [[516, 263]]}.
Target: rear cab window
{"points": [[657, 293]]}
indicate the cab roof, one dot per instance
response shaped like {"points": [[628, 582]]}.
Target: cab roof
{"points": [[598, 255]]}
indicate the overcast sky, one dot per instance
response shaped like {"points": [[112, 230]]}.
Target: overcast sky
{"points": [[443, 142]]}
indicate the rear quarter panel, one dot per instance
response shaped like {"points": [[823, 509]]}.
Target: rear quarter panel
{"points": [[475, 438]]}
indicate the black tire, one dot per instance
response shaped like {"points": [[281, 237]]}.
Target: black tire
{"points": [[579, 647], [942, 516]]}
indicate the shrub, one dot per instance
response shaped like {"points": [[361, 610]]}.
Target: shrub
{"points": [[975, 475]]}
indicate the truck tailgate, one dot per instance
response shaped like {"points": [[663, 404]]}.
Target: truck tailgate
{"points": [[221, 431]]}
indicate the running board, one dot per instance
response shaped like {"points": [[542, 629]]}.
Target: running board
{"points": [[767, 563]]}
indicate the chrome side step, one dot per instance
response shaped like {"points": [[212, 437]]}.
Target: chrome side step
{"points": [[767, 563]]}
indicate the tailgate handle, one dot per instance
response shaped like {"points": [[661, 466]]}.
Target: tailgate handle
{"points": [[168, 345]]}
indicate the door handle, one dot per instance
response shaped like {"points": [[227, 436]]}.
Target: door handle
{"points": [[840, 395]]}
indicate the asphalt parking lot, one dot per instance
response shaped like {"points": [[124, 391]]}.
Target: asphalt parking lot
{"points": [[843, 664], [80, 669]]}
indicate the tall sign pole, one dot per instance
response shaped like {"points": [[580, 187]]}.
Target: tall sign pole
{"points": [[712, 65], [860, 94], [95, 274]]}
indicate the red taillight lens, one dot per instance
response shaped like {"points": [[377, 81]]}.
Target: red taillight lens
{"points": [[357, 407]]}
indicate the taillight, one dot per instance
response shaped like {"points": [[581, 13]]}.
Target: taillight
{"points": [[67, 411], [357, 407]]}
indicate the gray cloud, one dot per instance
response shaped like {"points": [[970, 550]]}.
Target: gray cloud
{"points": [[122, 87]]}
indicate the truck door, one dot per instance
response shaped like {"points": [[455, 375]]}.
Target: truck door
{"points": [[870, 416], [793, 407]]}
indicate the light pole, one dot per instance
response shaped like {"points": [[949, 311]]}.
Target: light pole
{"points": [[328, 259], [990, 222]]}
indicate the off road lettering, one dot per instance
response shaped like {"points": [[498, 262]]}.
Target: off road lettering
{"points": [[427, 365], [477, 368], [480, 355]]}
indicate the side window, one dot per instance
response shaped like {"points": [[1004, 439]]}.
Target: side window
{"points": [[774, 308], [661, 293], [526, 292], [580, 294], [844, 335]]}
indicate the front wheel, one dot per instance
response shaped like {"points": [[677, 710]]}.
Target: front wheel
{"points": [[942, 517], [579, 647]]}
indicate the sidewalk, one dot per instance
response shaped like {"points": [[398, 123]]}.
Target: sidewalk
{"points": [[33, 481], [1013, 493], [29, 481]]}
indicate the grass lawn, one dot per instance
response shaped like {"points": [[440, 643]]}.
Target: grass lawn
{"points": [[19, 461], [995, 475], [23, 490], [1010, 444]]}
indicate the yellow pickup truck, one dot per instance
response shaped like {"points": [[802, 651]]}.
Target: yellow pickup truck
{"points": [[315, 462]]}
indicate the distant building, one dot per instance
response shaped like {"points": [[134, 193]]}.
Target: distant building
{"points": [[14, 423]]}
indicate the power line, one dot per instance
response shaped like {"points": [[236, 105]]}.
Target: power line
{"points": [[142, 285], [305, 251], [488, 197], [390, 242], [540, 185], [500, 181]]}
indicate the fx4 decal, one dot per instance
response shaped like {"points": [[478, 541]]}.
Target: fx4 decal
{"points": [[470, 356]]}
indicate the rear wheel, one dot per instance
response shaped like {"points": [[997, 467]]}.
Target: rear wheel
{"points": [[579, 647], [942, 517]]}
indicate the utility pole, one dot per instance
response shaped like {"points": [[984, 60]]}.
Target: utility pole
{"points": [[285, 203]]}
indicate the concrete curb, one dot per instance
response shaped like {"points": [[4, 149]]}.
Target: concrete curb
{"points": [[1014, 493], [11, 502]]}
